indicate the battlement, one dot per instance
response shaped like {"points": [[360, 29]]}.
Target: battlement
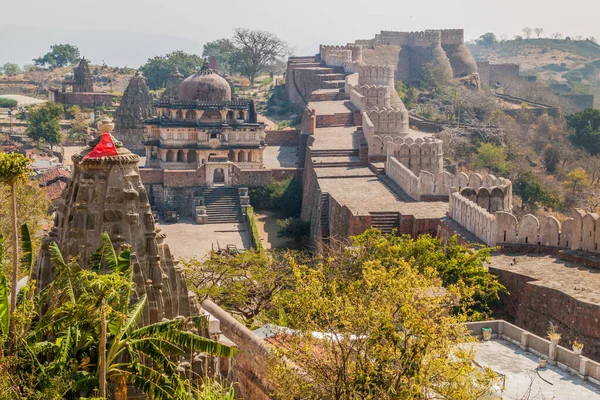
{"points": [[453, 36], [375, 95], [337, 58], [376, 75], [389, 120], [415, 39]]}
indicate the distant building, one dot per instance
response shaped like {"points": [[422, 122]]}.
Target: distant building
{"points": [[80, 90]]}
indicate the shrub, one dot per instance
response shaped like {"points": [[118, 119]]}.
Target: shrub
{"points": [[285, 196], [266, 81], [255, 237], [7, 103], [293, 228]]}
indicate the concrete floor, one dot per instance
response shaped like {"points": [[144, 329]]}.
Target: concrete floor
{"points": [[522, 380], [187, 239], [280, 157]]}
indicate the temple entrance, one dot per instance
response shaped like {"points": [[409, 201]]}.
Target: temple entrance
{"points": [[219, 176]]}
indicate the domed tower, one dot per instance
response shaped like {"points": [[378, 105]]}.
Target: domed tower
{"points": [[206, 86], [136, 107], [106, 194], [172, 89]]}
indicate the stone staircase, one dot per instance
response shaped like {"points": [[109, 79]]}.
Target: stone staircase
{"points": [[327, 94], [222, 205], [378, 168], [396, 190], [386, 222], [336, 158]]}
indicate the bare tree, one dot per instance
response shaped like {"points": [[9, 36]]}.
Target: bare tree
{"points": [[527, 32], [256, 51], [557, 35], [593, 39], [538, 32]]}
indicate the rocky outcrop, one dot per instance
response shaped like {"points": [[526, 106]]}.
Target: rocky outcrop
{"points": [[135, 108], [107, 195]]}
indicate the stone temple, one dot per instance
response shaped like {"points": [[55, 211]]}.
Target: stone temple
{"points": [[107, 195], [80, 89], [201, 138], [135, 108]]}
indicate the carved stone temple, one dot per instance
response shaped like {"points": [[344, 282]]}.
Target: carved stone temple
{"points": [[79, 89], [107, 195], [135, 108]]}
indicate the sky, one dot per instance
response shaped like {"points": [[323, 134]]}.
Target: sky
{"points": [[128, 32]]}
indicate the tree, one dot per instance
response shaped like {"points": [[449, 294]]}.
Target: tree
{"points": [[527, 32], [538, 32], [223, 50], [244, 284], [11, 69], [577, 181], [586, 129], [43, 123], [552, 158], [557, 35], [293, 228], [13, 172], [255, 51], [82, 306], [368, 322], [533, 193], [487, 40], [492, 158], [79, 127], [158, 69], [60, 55]]}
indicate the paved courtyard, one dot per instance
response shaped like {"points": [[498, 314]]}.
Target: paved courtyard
{"points": [[187, 239], [280, 157]]}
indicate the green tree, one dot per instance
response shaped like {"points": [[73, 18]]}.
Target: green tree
{"points": [[578, 180], [7, 103], [385, 330], [256, 50], [13, 173], [492, 158], [533, 193], [43, 123], [293, 228], [586, 129], [552, 158], [244, 284], [11, 69], [487, 40], [158, 69], [223, 50], [60, 55], [82, 306]]}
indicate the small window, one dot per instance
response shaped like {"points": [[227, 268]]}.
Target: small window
{"points": [[214, 135]]}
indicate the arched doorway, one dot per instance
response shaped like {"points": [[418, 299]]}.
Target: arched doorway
{"points": [[191, 157], [170, 156], [180, 156], [219, 176]]}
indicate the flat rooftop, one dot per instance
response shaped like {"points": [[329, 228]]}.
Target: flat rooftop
{"points": [[329, 107], [523, 381], [368, 194], [335, 138], [581, 283], [344, 172]]}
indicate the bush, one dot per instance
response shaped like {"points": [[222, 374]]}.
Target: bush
{"points": [[293, 228], [285, 196], [266, 81], [255, 237], [7, 103]]}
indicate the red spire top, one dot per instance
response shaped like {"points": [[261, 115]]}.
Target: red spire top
{"points": [[106, 146]]}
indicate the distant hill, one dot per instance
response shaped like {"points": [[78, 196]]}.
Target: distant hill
{"points": [[573, 65]]}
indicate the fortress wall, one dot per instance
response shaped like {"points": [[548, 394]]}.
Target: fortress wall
{"points": [[415, 39], [417, 155], [250, 365], [461, 60], [452, 36], [358, 100], [337, 58], [473, 218], [376, 75], [375, 95], [403, 177], [492, 73], [389, 120]]}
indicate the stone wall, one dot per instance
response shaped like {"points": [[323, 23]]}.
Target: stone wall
{"points": [[490, 74], [250, 365], [289, 137], [417, 155], [473, 218], [376, 75], [81, 99]]}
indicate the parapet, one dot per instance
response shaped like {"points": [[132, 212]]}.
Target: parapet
{"points": [[415, 39], [376, 75], [453, 36], [375, 95]]}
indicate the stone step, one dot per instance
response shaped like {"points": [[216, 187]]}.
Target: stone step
{"points": [[332, 84]]}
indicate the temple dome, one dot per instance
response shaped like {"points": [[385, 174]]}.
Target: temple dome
{"points": [[205, 85]]}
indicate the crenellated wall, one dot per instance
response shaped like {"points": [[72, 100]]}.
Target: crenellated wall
{"points": [[376, 75], [417, 155], [474, 218], [375, 95]]}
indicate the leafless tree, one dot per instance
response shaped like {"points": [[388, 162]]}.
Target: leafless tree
{"points": [[538, 32], [527, 32], [557, 35], [256, 51]]}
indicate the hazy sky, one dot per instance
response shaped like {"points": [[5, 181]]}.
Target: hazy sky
{"points": [[304, 24]]}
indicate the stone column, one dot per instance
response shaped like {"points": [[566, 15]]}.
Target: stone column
{"points": [[223, 115], [173, 114], [235, 155], [199, 114], [185, 154], [313, 122]]}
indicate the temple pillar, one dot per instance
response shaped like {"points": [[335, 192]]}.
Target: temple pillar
{"points": [[173, 114], [199, 114], [223, 115]]}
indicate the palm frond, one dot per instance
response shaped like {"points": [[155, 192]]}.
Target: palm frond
{"points": [[124, 261], [151, 382], [155, 353], [85, 382], [56, 256], [26, 248], [133, 318]]}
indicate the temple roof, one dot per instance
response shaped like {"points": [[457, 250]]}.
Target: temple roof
{"points": [[205, 85]]}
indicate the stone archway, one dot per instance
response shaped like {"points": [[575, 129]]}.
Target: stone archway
{"points": [[219, 175]]}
